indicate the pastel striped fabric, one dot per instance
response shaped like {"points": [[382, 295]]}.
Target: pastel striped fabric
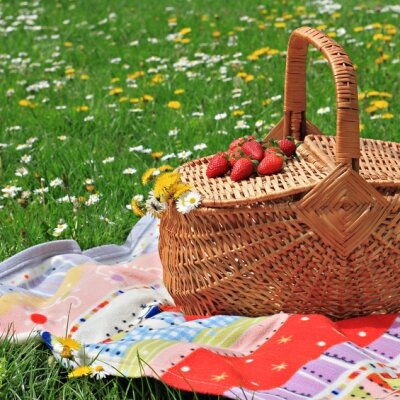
{"points": [[112, 300]]}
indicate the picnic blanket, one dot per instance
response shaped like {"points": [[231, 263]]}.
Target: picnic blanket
{"points": [[105, 311]]}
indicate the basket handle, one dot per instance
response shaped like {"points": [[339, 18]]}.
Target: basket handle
{"points": [[347, 115]]}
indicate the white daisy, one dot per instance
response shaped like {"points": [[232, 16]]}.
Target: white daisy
{"points": [[155, 207], [188, 202], [99, 372]]}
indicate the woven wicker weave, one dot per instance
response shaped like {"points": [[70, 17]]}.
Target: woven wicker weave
{"points": [[323, 236]]}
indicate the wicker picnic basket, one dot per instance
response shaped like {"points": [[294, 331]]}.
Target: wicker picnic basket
{"points": [[323, 236]]}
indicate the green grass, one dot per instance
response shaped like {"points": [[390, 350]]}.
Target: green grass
{"points": [[100, 31]]}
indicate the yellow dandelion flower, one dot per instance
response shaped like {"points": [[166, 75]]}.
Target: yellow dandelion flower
{"points": [[147, 176], [174, 104], [382, 58], [371, 109], [362, 127], [185, 31], [361, 96], [380, 104], [147, 98], [136, 208], [262, 26], [71, 343], [82, 108], [372, 93], [135, 75], [166, 167], [332, 34], [238, 113], [321, 27], [157, 154], [216, 34], [385, 94], [172, 21], [179, 91], [280, 24], [123, 99], [114, 80], [83, 370], [134, 100], [178, 189], [163, 184], [185, 40], [115, 91], [266, 102], [358, 29], [157, 78], [68, 44], [24, 103], [336, 15], [69, 71], [387, 116], [84, 77]]}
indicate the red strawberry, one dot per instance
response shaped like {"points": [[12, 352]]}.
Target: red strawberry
{"points": [[217, 166], [271, 164], [272, 150], [234, 155], [254, 150], [242, 169], [240, 141], [287, 146]]}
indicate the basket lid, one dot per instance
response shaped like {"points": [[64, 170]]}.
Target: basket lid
{"points": [[379, 165]]}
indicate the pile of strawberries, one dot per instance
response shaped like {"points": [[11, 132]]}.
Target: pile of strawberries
{"points": [[246, 156]]}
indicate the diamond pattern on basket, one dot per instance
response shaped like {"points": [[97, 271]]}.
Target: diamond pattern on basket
{"points": [[344, 210]]}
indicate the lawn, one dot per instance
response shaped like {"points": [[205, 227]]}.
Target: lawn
{"points": [[94, 93]]}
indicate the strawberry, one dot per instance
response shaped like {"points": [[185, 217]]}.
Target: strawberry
{"points": [[240, 141], [271, 164], [254, 150], [234, 155], [272, 150], [242, 169], [217, 166], [288, 146]]}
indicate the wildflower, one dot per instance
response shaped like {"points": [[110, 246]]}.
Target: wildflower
{"points": [[184, 154], [157, 154], [387, 116], [129, 171], [175, 105], [200, 146], [115, 91], [69, 72], [216, 34], [146, 177], [379, 104], [164, 168], [135, 75], [21, 171], [108, 160], [163, 184], [157, 78], [179, 91], [188, 202], [63, 138], [155, 207], [93, 198], [179, 189], [136, 208], [59, 229], [147, 98], [68, 44], [99, 372], [68, 346], [88, 118], [167, 157], [238, 113], [280, 24], [185, 31], [83, 370], [84, 77], [220, 116], [276, 98], [56, 182], [323, 110], [82, 108], [173, 132], [10, 191], [27, 103]]}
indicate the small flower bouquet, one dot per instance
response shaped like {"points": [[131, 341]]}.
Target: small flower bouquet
{"points": [[167, 188]]}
